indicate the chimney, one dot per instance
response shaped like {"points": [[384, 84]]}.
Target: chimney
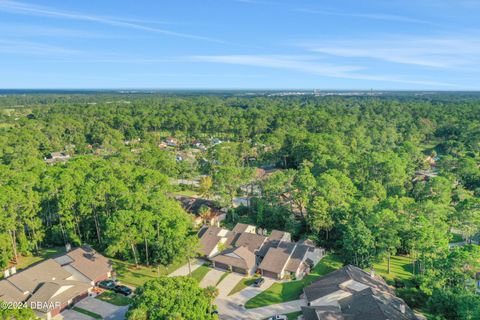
{"points": [[402, 308], [13, 270]]}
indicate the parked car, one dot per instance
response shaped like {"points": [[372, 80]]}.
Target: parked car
{"points": [[107, 284], [126, 291], [258, 283], [279, 317]]}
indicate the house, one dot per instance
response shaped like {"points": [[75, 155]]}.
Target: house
{"points": [[245, 251], [199, 145], [56, 157], [286, 259], [212, 239], [216, 141], [239, 259], [171, 142], [194, 205], [351, 293], [55, 284]]}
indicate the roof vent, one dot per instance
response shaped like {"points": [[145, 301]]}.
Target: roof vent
{"points": [[372, 273], [402, 308]]}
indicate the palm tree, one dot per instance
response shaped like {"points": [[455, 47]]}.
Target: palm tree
{"points": [[212, 293]]}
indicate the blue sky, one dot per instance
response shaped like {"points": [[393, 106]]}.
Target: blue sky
{"points": [[336, 44]]}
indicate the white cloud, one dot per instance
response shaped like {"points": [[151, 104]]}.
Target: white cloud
{"points": [[459, 52], [311, 65], [34, 48], [34, 10], [374, 16]]}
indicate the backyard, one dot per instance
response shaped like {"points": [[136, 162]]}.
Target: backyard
{"points": [[400, 268], [130, 274]]}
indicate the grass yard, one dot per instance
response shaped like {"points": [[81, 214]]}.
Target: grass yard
{"points": [[400, 268], [200, 272], [136, 276], [288, 291], [294, 315], [88, 313], [24, 262], [114, 298], [242, 284]]}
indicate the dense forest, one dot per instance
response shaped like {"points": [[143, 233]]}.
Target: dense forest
{"points": [[368, 177]]}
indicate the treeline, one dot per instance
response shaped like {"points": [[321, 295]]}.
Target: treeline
{"points": [[368, 177]]}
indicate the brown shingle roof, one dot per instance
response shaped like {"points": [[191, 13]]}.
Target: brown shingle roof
{"points": [[29, 279], [251, 240], [239, 257], [56, 293], [209, 239], [90, 263], [276, 258], [10, 293], [240, 227], [276, 235]]}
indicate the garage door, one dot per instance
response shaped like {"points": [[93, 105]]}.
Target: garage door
{"points": [[221, 266], [270, 274], [239, 270]]}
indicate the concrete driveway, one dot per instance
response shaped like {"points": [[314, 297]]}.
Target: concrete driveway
{"points": [[211, 278], [228, 283], [183, 270], [106, 310], [249, 292], [230, 311], [72, 315]]}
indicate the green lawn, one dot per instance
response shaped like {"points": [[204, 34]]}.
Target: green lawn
{"points": [[288, 291], [294, 315], [24, 262], [88, 313], [242, 284], [136, 276], [114, 298], [200, 272], [400, 268]]}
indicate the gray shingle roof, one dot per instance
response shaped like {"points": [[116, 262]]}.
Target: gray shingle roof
{"points": [[297, 258], [331, 282]]}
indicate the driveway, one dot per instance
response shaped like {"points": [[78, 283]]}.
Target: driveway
{"points": [[106, 310], [232, 307], [211, 278], [230, 311], [228, 283], [249, 292], [72, 315], [183, 270]]}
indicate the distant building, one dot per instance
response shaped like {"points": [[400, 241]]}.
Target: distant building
{"points": [[171, 142], [56, 157], [194, 205]]}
